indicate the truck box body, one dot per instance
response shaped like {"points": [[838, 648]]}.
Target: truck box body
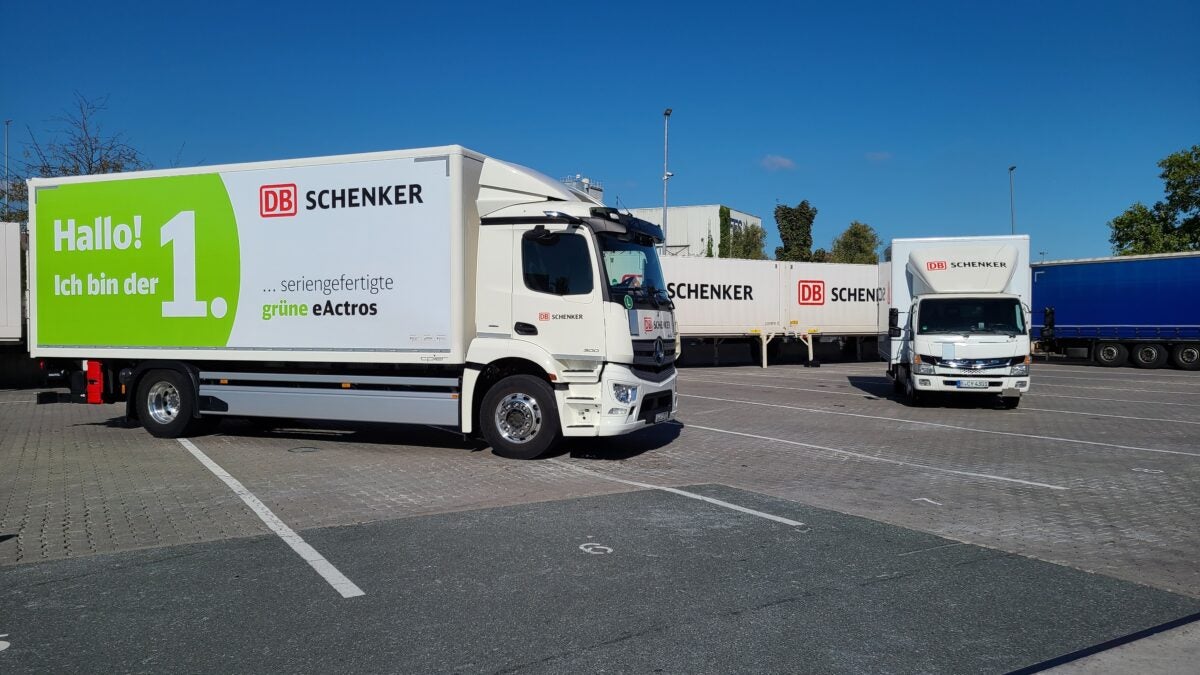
{"points": [[1141, 308], [11, 290], [347, 259], [955, 315], [721, 297]]}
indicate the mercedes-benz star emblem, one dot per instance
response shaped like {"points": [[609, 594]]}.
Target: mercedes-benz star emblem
{"points": [[659, 353]]}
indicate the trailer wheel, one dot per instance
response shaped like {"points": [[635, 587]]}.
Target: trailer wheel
{"points": [[520, 417], [1111, 354], [166, 404], [1148, 355], [1186, 356]]}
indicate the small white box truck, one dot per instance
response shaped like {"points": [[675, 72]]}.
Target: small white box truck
{"points": [[956, 316], [433, 286]]}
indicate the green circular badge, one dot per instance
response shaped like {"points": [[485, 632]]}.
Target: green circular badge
{"points": [[629, 302]]}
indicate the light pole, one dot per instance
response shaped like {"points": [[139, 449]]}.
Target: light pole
{"points": [[1012, 214], [7, 187], [666, 174]]}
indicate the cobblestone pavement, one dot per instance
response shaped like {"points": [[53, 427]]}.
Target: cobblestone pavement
{"points": [[1098, 469]]}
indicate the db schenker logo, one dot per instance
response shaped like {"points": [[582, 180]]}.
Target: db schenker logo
{"points": [[647, 324], [277, 201], [935, 265], [812, 292]]}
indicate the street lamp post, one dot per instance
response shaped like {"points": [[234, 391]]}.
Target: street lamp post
{"points": [[666, 174], [1012, 213], [7, 186]]}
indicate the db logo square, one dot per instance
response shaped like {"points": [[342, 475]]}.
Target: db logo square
{"points": [[934, 265], [647, 324], [812, 292], [276, 201], [543, 316]]}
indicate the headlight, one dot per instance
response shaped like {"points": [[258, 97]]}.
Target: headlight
{"points": [[923, 368], [625, 393], [1020, 370]]}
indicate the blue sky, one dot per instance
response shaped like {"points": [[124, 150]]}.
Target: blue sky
{"points": [[905, 116]]}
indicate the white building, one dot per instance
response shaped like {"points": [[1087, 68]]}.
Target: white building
{"points": [[689, 227]]}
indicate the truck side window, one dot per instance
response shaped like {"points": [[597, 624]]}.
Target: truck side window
{"points": [[557, 264]]}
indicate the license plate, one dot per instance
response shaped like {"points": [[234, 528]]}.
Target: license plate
{"points": [[972, 384], [661, 417]]}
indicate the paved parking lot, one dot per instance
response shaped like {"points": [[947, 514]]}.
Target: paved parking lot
{"points": [[815, 524]]}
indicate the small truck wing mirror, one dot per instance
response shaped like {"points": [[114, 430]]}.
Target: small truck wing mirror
{"points": [[893, 317]]}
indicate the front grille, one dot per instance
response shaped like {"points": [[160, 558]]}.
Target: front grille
{"points": [[654, 404], [644, 352]]}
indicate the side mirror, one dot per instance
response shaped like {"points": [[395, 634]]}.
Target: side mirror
{"points": [[1048, 322], [893, 318], [895, 331]]}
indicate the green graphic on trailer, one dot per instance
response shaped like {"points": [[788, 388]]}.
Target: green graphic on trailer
{"points": [[148, 262]]}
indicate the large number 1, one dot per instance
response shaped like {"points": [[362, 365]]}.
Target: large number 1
{"points": [[181, 232]]}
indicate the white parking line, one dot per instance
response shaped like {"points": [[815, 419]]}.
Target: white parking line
{"points": [[318, 562], [1124, 417], [887, 384], [876, 458], [947, 426], [1115, 387], [691, 495], [1118, 383], [1113, 400]]}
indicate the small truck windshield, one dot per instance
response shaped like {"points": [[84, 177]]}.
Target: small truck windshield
{"points": [[970, 316]]}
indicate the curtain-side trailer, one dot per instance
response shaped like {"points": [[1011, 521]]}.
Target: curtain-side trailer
{"points": [[1140, 309]]}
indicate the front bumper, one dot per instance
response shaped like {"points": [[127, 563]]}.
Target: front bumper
{"points": [[604, 415], [979, 383]]}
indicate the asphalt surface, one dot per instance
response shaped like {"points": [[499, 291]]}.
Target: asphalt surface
{"points": [[680, 586], [952, 537]]}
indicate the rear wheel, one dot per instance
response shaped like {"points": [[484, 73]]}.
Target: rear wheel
{"points": [[519, 417], [1186, 356], [1111, 354], [1148, 355], [166, 404]]}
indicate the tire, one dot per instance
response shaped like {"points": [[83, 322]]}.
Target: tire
{"points": [[912, 395], [1111, 354], [519, 417], [166, 404], [1010, 402], [1186, 356], [1148, 355], [897, 383]]}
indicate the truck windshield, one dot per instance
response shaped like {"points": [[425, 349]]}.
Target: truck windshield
{"points": [[970, 315], [632, 269]]}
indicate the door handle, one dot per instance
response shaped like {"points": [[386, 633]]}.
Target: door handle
{"points": [[523, 328]]}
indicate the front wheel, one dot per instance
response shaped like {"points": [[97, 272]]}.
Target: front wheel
{"points": [[519, 417], [912, 395], [1010, 402], [166, 404]]}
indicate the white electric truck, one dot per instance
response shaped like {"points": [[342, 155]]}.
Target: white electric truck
{"points": [[955, 317], [433, 286]]}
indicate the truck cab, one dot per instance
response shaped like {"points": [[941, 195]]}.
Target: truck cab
{"points": [[959, 321]]}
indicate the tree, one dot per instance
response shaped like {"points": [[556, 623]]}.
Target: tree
{"points": [[856, 245], [77, 146], [795, 230], [1171, 225], [747, 242], [708, 252], [724, 230], [820, 255]]}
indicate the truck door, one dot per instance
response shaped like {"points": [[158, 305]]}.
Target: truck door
{"points": [[556, 301]]}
